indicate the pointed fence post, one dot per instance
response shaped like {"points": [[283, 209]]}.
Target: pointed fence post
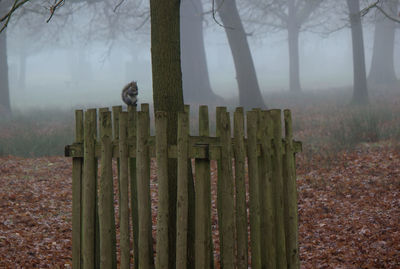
{"points": [[146, 260], [77, 165], [89, 192], [240, 180], [203, 240], [277, 149], [106, 195], [124, 190], [162, 179], [254, 189], [226, 203], [291, 215]]}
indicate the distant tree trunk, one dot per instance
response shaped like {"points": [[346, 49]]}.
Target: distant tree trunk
{"points": [[382, 65], [196, 82], [360, 91], [22, 69], [5, 107], [167, 89], [293, 28], [249, 90]]}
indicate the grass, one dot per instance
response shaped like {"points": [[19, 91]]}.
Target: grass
{"points": [[36, 133], [324, 121]]}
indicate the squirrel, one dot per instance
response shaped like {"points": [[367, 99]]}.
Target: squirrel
{"points": [[129, 93]]}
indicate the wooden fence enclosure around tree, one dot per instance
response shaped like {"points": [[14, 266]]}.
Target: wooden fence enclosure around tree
{"points": [[256, 190]]}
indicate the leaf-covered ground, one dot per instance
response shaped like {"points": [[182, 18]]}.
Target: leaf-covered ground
{"points": [[349, 210]]}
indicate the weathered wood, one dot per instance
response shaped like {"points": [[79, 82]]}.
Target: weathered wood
{"points": [[273, 194], [277, 179], [197, 148], [89, 192], [132, 120], [240, 181], [124, 191], [146, 260], [162, 179], [226, 204], [268, 230], [254, 189], [203, 240], [289, 177], [106, 196], [116, 110], [182, 192], [77, 164]]}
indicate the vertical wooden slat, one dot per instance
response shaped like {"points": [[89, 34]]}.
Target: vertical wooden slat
{"points": [[191, 206], [226, 205], [203, 240], [291, 218], [146, 260], [162, 179], [77, 164], [182, 192], [278, 190], [124, 190], [241, 211], [132, 120], [268, 243], [253, 189], [89, 192], [116, 110], [106, 195]]}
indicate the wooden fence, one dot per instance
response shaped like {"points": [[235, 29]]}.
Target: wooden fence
{"points": [[264, 161]]}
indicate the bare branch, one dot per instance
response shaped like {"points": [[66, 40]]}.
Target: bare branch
{"points": [[214, 11], [378, 7], [53, 8], [17, 4], [118, 5]]}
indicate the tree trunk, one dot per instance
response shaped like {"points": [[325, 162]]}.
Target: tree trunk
{"points": [[196, 82], [382, 70], [22, 69], [167, 89], [5, 107], [249, 91], [360, 91], [294, 61]]}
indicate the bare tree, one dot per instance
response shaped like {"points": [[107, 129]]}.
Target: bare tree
{"points": [[196, 81], [360, 91], [249, 90], [294, 16], [382, 70]]}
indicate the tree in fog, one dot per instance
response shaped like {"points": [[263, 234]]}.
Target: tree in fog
{"points": [[360, 91], [382, 70], [293, 16], [196, 81], [5, 107], [249, 90]]}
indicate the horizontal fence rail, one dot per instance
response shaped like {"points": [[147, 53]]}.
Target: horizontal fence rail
{"points": [[255, 156]]}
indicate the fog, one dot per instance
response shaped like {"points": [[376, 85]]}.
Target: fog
{"points": [[81, 73]]}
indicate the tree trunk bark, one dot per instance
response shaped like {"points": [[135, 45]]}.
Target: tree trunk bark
{"points": [[360, 91], [196, 82], [5, 107], [167, 90], [382, 70], [249, 90]]}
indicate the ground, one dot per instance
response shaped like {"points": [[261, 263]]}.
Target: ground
{"points": [[348, 179], [349, 210]]}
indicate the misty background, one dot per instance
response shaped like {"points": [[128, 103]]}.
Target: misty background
{"points": [[67, 64]]}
